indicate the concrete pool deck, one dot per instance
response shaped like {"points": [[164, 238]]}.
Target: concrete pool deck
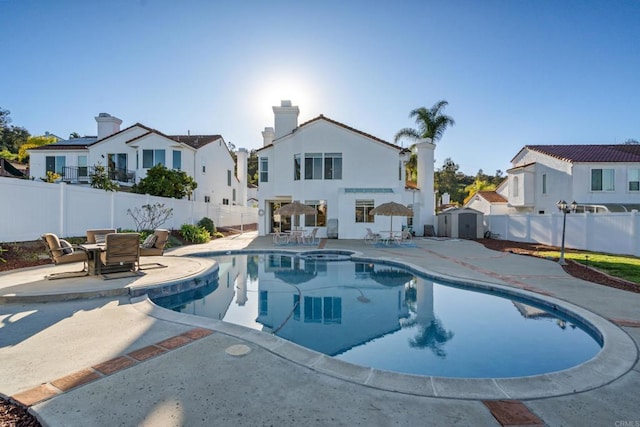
{"points": [[110, 360]]}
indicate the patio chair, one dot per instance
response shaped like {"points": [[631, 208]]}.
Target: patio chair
{"points": [[311, 237], [155, 243], [280, 238], [371, 237], [406, 235], [62, 252], [122, 253], [97, 235], [154, 246]]}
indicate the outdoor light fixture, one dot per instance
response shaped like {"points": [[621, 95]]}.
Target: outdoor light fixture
{"points": [[562, 206]]}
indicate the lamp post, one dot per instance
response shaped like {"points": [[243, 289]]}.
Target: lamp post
{"points": [[562, 206]]}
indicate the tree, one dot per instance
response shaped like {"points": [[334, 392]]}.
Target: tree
{"points": [[33, 142], [11, 137], [150, 217], [478, 185], [74, 135], [252, 167], [163, 182], [100, 179], [447, 179], [431, 124]]}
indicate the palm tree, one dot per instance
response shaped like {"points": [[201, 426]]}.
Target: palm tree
{"points": [[431, 123]]}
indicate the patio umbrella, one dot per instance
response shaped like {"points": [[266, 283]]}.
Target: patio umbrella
{"points": [[392, 209], [295, 208]]}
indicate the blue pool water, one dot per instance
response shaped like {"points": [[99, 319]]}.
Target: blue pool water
{"points": [[387, 318]]}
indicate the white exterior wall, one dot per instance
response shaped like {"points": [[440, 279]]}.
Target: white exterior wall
{"points": [[582, 184], [213, 182], [366, 163], [38, 165], [565, 181]]}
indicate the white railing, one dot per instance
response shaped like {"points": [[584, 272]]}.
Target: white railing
{"points": [[616, 233], [30, 208]]}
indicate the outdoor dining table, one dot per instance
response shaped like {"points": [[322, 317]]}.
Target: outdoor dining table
{"points": [[296, 235], [93, 254]]}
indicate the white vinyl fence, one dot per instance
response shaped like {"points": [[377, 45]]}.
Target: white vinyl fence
{"points": [[616, 233], [30, 208]]}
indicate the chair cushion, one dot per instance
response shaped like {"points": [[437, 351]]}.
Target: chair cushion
{"points": [[150, 241], [66, 247]]}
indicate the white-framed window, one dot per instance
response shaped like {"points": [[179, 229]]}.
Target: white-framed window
{"points": [[544, 183], [633, 179], [56, 164], [225, 201], [204, 166], [151, 158], [177, 160], [602, 180], [264, 169], [320, 219], [312, 165], [333, 166], [233, 197], [515, 191], [363, 210], [297, 167]]}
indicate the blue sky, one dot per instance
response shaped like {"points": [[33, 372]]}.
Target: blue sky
{"points": [[514, 72]]}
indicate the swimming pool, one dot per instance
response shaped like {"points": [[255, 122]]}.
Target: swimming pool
{"points": [[381, 316]]}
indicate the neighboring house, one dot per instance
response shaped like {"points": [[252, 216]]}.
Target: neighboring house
{"points": [[599, 178], [492, 202], [127, 154], [342, 172]]}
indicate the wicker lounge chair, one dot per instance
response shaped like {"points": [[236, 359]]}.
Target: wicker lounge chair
{"points": [[98, 235], [155, 243], [122, 253], [62, 252]]}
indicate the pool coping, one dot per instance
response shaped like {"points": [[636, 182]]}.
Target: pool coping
{"points": [[617, 356]]}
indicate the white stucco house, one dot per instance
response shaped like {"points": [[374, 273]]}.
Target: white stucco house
{"points": [[129, 153], [600, 178], [342, 172], [492, 202]]}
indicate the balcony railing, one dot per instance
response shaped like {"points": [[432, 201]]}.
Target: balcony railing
{"points": [[82, 174]]}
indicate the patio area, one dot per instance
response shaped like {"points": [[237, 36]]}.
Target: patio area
{"points": [[183, 370]]}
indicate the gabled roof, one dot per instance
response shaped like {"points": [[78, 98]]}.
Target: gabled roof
{"points": [[194, 141], [342, 125], [595, 153], [492, 196]]}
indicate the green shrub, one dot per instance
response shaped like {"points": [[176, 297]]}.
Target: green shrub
{"points": [[207, 224], [3, 250], [194, 233]]}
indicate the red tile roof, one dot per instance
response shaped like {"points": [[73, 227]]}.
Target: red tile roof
{"points": [[492, 196], [591, 153]]}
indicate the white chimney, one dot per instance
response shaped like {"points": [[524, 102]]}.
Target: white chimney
{"points": [[286, 118], [267, 136], [425, 153], [107, 125], [242, 157]]}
